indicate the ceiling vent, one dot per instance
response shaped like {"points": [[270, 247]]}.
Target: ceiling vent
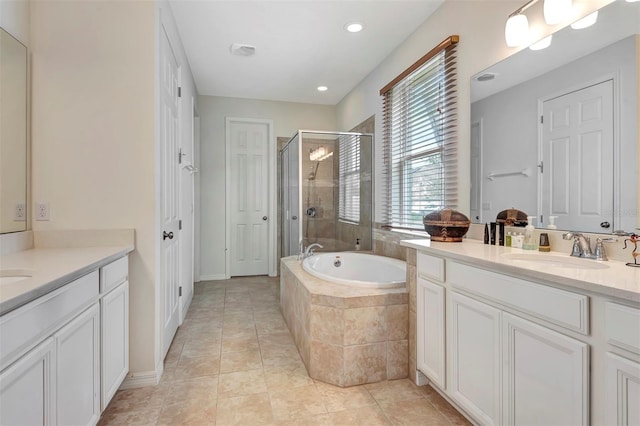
{"points": [[486, 77], [240, 49]]}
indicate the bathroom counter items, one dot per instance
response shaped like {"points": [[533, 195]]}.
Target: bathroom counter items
{"points": [[43, 270], [612, 279]]}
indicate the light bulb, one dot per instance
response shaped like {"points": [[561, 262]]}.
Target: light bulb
{"points": [[585, 22], [516, 32], [541, 44]]}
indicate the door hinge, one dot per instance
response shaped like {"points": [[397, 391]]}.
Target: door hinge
{"points": [[179, 92], [179, 291], [180, 225], [541, 166], [542, 119], [180, 156]]}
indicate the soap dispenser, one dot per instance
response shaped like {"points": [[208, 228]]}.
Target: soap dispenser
{"points": [[529, 239]]}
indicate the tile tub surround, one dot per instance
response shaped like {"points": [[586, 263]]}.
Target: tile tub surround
{"points": [[346, 336]]}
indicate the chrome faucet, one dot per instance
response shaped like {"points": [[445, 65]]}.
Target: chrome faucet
{"points": [[582, 246], [309, 250]]}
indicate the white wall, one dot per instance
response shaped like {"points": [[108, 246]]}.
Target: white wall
{"points": [[480, 25], [510, 124], [287, 117]]}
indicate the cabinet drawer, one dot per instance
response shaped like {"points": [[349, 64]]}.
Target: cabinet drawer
{"points": [[430, 266], [24, 327], [113, 274], [622, 325], [560, 307]]}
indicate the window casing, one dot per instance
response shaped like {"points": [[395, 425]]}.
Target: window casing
{"points": [[419, 122]]}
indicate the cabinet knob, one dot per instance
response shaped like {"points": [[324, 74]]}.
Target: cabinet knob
{"points": [[166, 235]]}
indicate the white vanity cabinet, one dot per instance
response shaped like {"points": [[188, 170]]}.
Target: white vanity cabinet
{"points": [[27, 388], [64, 354], [507, 360], [474, 357], [78, 369], [430, 322]]}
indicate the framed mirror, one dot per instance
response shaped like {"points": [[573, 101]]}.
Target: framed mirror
{"points": [[554, 132], [13, 134]]}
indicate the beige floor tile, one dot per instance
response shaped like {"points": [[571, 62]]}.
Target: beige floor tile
{"points": [[240, 361], [338, 399], [240, 343], [304, 402], [244, 410], [413, 412], [370, 415], [194, 412], [278, 378], [393, 390], [197, 367], [200, 388], [202, 347], [241, 383], [283, 338], [142, 417]]}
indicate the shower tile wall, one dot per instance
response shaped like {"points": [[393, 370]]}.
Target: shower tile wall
{"points": [[318, 191]]}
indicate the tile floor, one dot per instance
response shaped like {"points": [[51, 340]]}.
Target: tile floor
{"points": [[233, 362]]}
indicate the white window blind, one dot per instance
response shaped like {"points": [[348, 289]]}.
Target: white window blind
{"points": [[419, 139], [349, 178]]}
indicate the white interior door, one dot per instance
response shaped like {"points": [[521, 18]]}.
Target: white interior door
{"points": [[249, 244], [169, 192], [577, 154]]}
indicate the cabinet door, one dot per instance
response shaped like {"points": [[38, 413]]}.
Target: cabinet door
{"points": [[430, 328], [114, 308], [474, 357], [27, 388], [78, 369], [623, 391], [545, 376]]}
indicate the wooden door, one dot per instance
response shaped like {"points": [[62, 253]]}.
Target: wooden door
{"points": [[577, 154], [169, 192], [249, 198]]}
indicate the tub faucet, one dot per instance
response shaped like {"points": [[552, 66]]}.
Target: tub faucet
{"points": [[309, 250]]}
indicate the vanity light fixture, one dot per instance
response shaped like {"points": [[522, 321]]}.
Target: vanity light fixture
{"points": [[585, 22], [516, 32], [354, 27], [541, 44], [322, 88], [632, 1], [555, 11]]}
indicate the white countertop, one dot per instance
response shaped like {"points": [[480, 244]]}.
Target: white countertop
{"points": [[51, 268], [618, 280]]}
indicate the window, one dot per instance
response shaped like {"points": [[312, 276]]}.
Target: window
{"points": [[349, 178], [419, 139]]}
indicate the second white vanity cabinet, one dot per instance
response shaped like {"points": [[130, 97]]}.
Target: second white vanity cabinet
{"points": [[65, 354]]}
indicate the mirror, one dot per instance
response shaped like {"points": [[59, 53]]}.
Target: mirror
{"points": [[13, 134], [554, 132]]}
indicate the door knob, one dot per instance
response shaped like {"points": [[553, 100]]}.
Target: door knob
{"points": [[294, 217], [605, 225], [166, 235], [264, 218]]}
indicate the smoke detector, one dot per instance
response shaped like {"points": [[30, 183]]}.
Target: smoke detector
{"points": [[240, 49]]}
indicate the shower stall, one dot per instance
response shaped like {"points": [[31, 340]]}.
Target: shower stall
{"points": [[326, 191]]}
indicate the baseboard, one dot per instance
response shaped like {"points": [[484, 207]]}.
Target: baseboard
{"points": [[421, 379], [213, 277], [140, 380]]}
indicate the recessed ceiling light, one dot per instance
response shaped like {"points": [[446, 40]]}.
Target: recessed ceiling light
{"points": [[354, 27], [322, 88]]}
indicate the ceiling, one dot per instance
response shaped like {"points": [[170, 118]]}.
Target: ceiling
{"points": [[300, 44]]}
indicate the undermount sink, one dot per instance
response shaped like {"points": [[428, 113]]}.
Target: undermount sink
{"points": [[10, 276], [553, 261]]}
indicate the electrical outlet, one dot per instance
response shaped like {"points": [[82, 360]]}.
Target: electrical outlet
{"points": [[20, 212], [42, 211]]}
